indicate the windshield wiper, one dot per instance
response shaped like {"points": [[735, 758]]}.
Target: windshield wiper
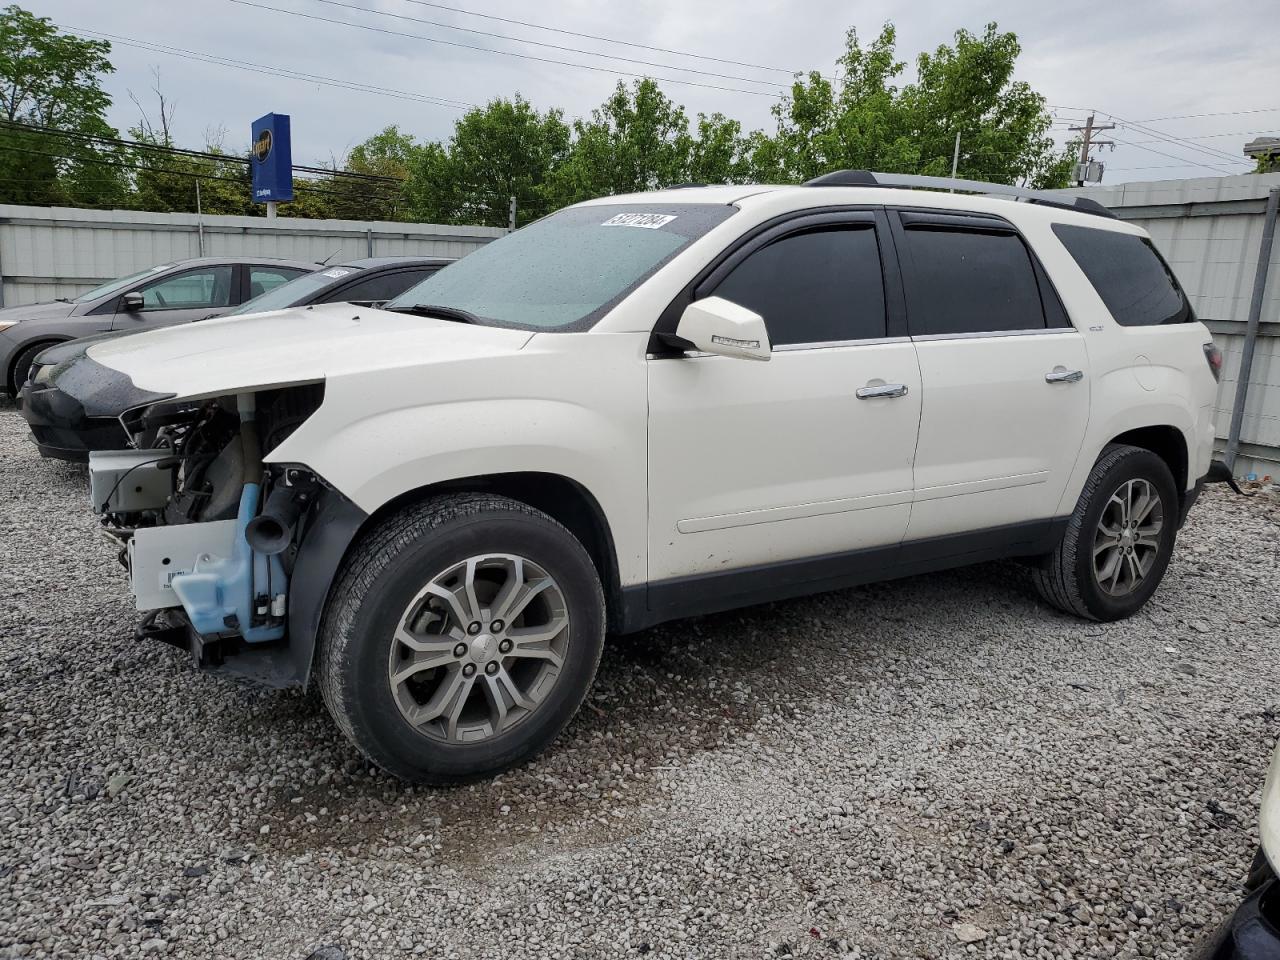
{"points": [[438, 311]]}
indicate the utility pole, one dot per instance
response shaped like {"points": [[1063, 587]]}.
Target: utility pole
{"points": [[1089, 129], [511, 218]]}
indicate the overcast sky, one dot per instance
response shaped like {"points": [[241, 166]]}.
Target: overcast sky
{"points": [[1136, 60]]}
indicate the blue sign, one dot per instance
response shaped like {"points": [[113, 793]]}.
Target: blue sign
{"points": [[271, 158]]}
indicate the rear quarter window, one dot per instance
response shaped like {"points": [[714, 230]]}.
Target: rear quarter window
{"points": [[1130, 276]]}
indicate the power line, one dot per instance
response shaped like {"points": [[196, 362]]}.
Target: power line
{"points": [[539, 43], [283, 72], [503, 53], [1176, 141], [1214, 136], [241, 181], [181, 151], [1186, 162], [1223, 113], [592, 36]]}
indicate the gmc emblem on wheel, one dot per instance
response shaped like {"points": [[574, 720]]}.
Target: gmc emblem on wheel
{"points": [[262, 146]]}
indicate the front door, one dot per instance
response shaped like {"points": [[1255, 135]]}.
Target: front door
{"points": [[180, 297], [1004, 374], [808, 454]]}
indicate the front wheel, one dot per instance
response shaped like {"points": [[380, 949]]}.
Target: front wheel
{"points": [[1119, 540], [461, 637]]}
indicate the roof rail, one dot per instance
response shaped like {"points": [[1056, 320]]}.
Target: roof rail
{"points": [[868, 178]]}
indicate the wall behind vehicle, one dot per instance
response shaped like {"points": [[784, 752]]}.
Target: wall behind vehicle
{"points": [[50, 252], [1209, 230]]}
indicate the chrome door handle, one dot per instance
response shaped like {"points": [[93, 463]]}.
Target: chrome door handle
{"points": [[1064, 376], [884, 390]]}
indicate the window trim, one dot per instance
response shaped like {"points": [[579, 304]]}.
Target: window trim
{"points": [[901, 218], [836, 344], [989, 334], [798, 221]]}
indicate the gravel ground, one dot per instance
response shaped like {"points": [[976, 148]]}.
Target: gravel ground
{"points": [[936, 767]]}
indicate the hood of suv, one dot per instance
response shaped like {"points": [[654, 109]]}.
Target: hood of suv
{"points": [[298, 345]]}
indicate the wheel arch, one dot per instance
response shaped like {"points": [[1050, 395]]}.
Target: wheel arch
{"points": [[43, 342], [326, 546], [562, 498], [1167, 442]]}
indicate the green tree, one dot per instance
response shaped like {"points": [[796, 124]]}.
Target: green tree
{"points": [[389, 153], [866, 121], [52, 80], [719, 153], [638, 139], [502, 150]]}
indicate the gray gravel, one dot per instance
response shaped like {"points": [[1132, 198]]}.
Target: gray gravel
{"points": [[936, 767]]}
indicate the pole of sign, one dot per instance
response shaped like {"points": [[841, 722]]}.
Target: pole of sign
{"points": [[199, 220], [271, 209]]}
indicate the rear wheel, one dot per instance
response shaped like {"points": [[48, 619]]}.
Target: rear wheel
{"points": [[1119, 541], [461, 637]]}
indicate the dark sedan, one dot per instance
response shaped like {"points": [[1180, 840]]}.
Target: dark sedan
{"points": [[69, 415]]}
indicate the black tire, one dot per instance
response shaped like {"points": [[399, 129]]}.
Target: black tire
{"points": [[381, 577], [1066, 578], [21, 368]]}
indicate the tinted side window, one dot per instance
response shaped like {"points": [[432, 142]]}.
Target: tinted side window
{"points": [[813, 287], [960, 281], [262, 279], [1130, 276], [206, 287], [380, 288]]}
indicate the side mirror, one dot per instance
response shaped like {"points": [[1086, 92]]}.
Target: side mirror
{"points": [[132, 302], [716, 325]]}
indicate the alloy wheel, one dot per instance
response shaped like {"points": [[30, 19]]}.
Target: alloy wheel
{"points": [[1126, 541], [479, 648]]}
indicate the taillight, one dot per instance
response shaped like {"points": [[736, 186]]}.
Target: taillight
{"points": [[1214, 357]]}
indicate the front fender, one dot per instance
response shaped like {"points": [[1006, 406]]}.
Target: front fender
{"points": [[575, 412]]}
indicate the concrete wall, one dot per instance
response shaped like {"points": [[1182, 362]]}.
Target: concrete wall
{"points": [[1209, 230], [49, 252]]}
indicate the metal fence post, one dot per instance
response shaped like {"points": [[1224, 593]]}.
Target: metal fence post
{"points": [[1251, 331]]}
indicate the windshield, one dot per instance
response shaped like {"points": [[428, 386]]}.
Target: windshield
{"points": [[112, 286], [564, 271], [297, 291]]}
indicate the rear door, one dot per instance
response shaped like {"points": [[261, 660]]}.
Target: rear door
{"points": [[1005, 379], [263, 278], [809, 454]]}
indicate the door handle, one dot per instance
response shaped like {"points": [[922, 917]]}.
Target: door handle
{"points": [[1064, 376], [883, 390]]}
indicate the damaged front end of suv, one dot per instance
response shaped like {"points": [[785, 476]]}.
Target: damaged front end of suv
{"points": [[228, 557]]}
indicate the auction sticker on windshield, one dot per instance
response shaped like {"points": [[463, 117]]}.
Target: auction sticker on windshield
{"points": [[649, 221]]}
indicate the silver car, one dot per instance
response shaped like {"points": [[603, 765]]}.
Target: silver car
{"points": [[156, 297]]}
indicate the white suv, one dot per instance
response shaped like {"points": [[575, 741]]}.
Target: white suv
{"points": [[440, 508]]}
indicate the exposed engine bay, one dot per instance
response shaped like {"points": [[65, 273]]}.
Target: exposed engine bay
{"points": [[208, 533]]}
